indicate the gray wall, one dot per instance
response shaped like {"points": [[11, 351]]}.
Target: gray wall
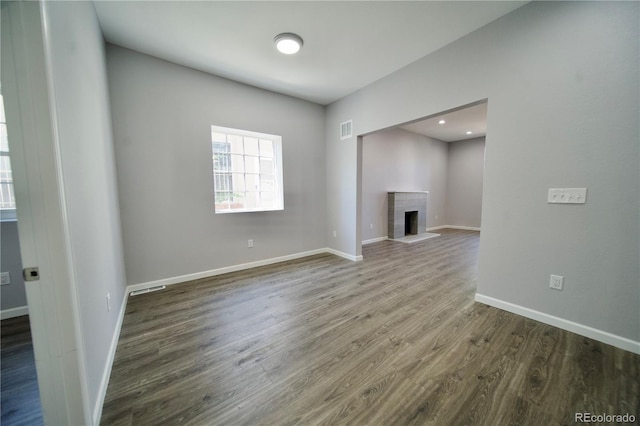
{"points": [[465, 166], [162, 115], [562, 83], [12, 295], [398, 160], [83, 121]]}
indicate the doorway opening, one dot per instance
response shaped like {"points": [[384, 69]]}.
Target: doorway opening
{"points": [[19, 385], [441, 154]]}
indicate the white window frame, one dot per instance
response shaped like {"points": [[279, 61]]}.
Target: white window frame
{"points": [[7, 214], [225, 177]]}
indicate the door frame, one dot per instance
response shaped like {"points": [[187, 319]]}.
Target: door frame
{"points": [[41, 213]]}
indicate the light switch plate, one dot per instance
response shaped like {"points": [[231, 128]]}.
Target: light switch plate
{"points": [[567, 196]]}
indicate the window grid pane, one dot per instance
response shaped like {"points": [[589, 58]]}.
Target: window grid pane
{"points": [[245, 171], [4, 139], [266, 148], [7, 197], [5, 169]]}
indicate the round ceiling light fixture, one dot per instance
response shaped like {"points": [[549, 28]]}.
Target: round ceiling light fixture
{"points": [[288, 43]]}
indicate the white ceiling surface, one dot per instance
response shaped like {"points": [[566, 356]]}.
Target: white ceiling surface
{"points": [[457, 123], [347, 44]]}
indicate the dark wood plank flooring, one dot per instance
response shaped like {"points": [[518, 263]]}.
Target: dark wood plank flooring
{"points": [[20, 397], [394, 339]]}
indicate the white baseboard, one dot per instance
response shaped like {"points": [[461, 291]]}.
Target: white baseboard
{"points": [[344, 255], [14, 312], [374, 240], [435, 228], [583, 330], [234, 268], [104, 382], [464, 228]]}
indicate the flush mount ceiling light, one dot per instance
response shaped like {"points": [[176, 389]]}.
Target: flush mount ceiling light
{"points": [[288, 43], [469, 132], [441, 122]]}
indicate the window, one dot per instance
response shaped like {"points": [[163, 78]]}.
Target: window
{"points": [[7, 197], [247, 170]]}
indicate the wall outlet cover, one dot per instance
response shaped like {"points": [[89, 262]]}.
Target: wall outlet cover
{"points": [[556, 282]]}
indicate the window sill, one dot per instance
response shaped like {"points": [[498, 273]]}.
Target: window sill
{"points": [[8, 215], [249, 210]]}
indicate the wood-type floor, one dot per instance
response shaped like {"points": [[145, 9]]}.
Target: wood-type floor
{"points": [[19, 394], [395, 339]]}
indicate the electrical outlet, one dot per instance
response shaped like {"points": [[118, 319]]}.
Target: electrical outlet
{"points": [[5, 278], [250, 243], [335, 234], [108, 302], [556, 282], [371, 226]]}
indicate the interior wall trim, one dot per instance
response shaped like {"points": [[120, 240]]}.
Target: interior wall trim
{"points": [[344, 255], [574, 327], [106, 374], [374, 240], [241, 267], [14, 312], [434, 228], [464, 228]]}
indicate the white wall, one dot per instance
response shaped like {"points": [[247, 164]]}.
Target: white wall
{"points": [[398, 160], [162, 117], [83, 122], [465, 168], [562, 84]]}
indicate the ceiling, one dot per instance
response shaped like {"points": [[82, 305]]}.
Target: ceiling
{"points": [[347, 44], [457, 123]]}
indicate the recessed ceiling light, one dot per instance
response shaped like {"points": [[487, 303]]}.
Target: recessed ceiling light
{"points": [[469, 132], [288, 43], [441, 122]]}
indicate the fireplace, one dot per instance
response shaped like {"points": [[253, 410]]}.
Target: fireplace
{"points": [[407, 213], [411, 223]]}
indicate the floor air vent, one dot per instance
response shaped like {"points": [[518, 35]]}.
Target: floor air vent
{"points": [[147, 290]]}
